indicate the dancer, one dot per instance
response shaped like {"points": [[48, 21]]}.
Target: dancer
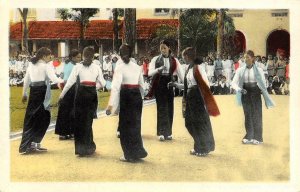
{"points": [[162, 68], [198, 104], [64, 123], [86, 101], [249, 83], [37, 116], [127, 91]]}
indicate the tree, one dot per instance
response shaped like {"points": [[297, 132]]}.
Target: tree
{"points": [[161, 32], [117, 13], [24, 12], [81, 15], [220, 17], [130, 26], [199, 28]]}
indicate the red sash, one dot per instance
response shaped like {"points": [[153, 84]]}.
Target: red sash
{"points": [[208, 98]]}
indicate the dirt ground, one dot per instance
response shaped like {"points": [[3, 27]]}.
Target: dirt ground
{"points": [[168, 161]]}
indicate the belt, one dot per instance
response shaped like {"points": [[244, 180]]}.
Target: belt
{"points": [[252, 84], [37, 83], [130, 86], [88, 83], [192, 86]]}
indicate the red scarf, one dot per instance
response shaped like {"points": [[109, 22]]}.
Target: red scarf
{"points": [[208, 98], [156, 77]]}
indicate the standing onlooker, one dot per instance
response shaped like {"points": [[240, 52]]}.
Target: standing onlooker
{"points": [[271, 67], [86, 101], [249, 83], [218, 66], [162, 68], [280, 66], [37, 117], [287, 77], [127, 91]]}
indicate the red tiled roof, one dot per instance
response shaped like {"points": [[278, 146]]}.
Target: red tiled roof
{"points": [[145, 27], [97, 29]]}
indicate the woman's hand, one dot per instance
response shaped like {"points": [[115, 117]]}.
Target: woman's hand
{"points": [[24, 99], [108, 110], [160, 69]]}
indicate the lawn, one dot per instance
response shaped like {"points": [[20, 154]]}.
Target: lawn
{"points": [[17, 108]]}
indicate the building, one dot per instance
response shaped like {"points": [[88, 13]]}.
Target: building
{"points": [[263, 30]]}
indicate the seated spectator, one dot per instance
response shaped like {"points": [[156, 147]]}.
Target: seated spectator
{"points": [[277, 86], [269, 85], [20, 80]]}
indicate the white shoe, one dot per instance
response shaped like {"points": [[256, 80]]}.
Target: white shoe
{"points": [[169, 137], [161, 138], [256, 142], [247, 141], [118, 134]]}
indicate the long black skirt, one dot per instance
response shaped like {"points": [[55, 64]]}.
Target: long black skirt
{"points": [[131, 104], [65, 117], [197, 122], [85, 105], [36, 120], [252, 106], [165, 107]]}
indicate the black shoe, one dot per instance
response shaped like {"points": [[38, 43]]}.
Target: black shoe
{"points": [[64, 137], [41, 149], [29, 150]]}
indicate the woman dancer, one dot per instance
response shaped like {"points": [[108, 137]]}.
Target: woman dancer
{"points": [[127, 90], [37, 117], [162, 68], [86, 101], [64, 127]]}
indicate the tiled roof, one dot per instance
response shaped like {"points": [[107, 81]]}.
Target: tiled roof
{"points": [[97, 29]]}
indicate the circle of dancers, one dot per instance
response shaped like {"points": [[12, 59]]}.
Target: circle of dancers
{"points": [[78, 100]]}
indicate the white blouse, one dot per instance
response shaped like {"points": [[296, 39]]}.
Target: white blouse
{"points": [[129, 73], [191, 81], [41, 71], [249, 76], [92, 73], [178, 71]]}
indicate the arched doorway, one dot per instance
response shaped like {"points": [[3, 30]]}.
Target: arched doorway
{"points": [[239, 43], [278, 39]]}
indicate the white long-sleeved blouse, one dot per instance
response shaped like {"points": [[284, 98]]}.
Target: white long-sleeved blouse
{"points": [[92, 73], [130, 74]]}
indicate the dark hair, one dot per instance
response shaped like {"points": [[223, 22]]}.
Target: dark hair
{"points": [[190, 52], [72, 54], [88, 54], [43, 51], [250, 53], [125, 52], [167, 43]]}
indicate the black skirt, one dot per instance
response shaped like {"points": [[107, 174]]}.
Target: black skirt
{"points": [[36, 120], [131, 104], [165, 107], [252, 106], [65, 117], [85, 105], [197, 122]]}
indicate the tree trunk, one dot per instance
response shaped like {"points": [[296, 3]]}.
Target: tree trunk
{"points": [[220, 18], [24, 14], [130, 27], [116, 30]]}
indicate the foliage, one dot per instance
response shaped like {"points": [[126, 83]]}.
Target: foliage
{"points": [[81, 15], [17, 108]]}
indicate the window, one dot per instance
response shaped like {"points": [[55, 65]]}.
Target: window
{"points": [[279, 13], [161, 11]]}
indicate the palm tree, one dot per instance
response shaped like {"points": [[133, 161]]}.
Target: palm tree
{"points": [[220, 17], [79, 15]]}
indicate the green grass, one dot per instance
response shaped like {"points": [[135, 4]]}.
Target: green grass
{"points": [[17, 108]]}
